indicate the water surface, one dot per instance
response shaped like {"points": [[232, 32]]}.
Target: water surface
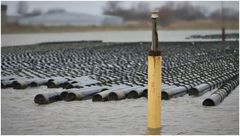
{"points": [[112, 36], [183, 115]]}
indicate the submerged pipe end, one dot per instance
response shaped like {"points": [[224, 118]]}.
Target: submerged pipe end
{"points": [[132, 95], [51, 85], [165, 96], [63, 95], [145, 93], [17, 85], [97, 98], [33, 84], [69, 86], [39, 99], [208, 102], [70, 97], [112, 96], [193, 91], [64, 85]]}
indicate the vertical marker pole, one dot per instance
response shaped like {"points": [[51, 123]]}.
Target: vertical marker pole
{"points": [[223, 24], [154, 80]]}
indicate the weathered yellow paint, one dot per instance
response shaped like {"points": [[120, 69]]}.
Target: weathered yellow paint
{"points": [[154, 91]]}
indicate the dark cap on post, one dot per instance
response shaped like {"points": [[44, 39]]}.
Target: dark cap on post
{"points": [[3, 7], [154, 49]]}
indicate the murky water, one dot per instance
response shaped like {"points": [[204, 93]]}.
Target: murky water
{"points": [[114, 36], [183, 115]]}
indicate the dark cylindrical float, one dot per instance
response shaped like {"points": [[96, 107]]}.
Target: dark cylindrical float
{"points": [[199, 89], [215, 99], [82, 93], [64, 95], [219, 95], [136, 93], [6, 83], [38, 82], [103, 96], [20, 84], [56, 82], [174, 92], [121, 93], [47, 98], [164, 88], [74, 84]]}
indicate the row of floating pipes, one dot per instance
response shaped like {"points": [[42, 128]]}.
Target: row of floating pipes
{"points": [[119, 92], [53, 82], [186, 66], [107, 93], [221, 93]]}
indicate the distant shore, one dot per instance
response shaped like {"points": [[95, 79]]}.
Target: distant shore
{"points": [[179, 25]]}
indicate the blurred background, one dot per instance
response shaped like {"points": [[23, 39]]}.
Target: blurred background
{"points": [[77, 16]]}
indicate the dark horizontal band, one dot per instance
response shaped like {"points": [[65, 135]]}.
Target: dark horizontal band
{"points": [[154, 53]]}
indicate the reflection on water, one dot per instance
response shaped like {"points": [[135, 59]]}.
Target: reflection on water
{"points": [[152, 131]]}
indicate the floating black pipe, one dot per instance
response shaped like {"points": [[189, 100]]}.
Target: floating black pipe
{"points": [[56, 82], [38, 82], [20, 84], [219, 95], [47, 98], [121, 93], [74, 84], [64, 95], [199, 89], [136, 93], [6, 83], [103, 96], [82, 93], [174, 92]]}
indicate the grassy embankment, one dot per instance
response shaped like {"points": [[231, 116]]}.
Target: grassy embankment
{"points": [[179, 25]]}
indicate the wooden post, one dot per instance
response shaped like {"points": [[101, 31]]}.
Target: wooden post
{"points": [[154, 80]]}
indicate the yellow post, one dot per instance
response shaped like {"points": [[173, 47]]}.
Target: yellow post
{"points": [[154, 91], [154, 81]]}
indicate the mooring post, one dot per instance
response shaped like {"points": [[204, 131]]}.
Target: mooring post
{"points": [[154, 79], [222, 20], [223, 34]]}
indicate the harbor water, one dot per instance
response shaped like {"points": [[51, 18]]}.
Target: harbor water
{"points": [[113, 36], [183, 115]]}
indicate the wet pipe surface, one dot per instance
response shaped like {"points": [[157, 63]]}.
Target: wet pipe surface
{"points": [[188, 68]]}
